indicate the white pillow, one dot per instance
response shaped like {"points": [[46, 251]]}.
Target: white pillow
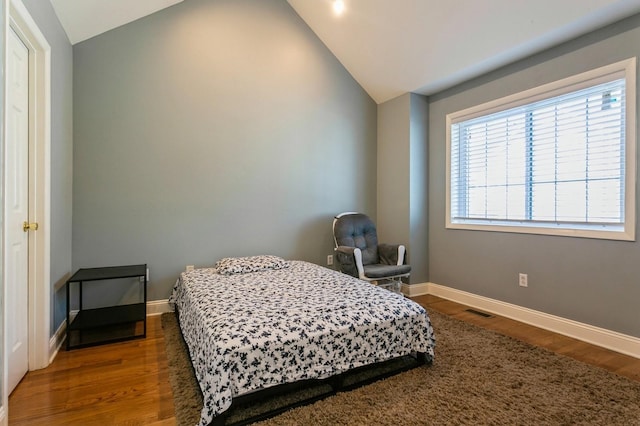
{"points": [[244, 265]]}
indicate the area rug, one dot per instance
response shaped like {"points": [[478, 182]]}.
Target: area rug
{"points": [[479, 377]]}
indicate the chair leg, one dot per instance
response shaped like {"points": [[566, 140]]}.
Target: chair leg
{"points": [[391, 284], [398, 286]]}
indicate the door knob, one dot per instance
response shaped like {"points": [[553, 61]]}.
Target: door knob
{"points": [[26, 226]]}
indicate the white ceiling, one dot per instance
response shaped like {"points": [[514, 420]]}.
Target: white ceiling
{"points": [[396, 46], [83, 19]]}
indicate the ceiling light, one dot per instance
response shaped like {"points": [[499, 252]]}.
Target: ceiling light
{"points": [[338, 6]]}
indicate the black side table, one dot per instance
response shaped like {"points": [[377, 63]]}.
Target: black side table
{"points": [[108, 324]]}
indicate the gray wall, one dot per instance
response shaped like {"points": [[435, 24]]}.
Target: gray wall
{"points": [[402, 201], [587, 280], [393, 171], [418, 193], [212, 129], [61, 151]]}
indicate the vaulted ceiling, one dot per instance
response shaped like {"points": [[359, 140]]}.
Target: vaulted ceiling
{"points": [[396, 46]]}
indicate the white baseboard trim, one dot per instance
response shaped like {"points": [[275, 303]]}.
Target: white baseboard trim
{"points": [[56, 341], [157, 307], [628, 345], [412, 290]]}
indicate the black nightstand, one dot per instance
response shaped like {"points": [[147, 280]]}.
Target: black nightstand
{"points": [[112, 323]]}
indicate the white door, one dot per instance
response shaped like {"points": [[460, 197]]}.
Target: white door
{"points": [[17, 211]]}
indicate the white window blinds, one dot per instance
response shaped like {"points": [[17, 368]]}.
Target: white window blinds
{"points": [[558, 162]]}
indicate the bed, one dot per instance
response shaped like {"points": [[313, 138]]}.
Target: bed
{"points": [[258, 322]]}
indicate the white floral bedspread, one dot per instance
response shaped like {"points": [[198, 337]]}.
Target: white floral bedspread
{"points": [[247, 332]]}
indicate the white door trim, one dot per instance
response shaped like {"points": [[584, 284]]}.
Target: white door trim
{"points": [[39, 182], [4, 403]]}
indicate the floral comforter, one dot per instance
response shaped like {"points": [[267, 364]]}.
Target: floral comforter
{"points": [[251, 331]]}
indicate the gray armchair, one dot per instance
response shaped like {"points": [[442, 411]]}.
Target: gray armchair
{"points": [[359, 254]]}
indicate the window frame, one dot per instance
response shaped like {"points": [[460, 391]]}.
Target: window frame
{"points": [[624, 69]]}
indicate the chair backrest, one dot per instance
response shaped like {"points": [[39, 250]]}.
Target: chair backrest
{"points": [[357, 230]]}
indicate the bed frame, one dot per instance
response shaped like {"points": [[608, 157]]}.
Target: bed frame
{"points": [[326, 387]]}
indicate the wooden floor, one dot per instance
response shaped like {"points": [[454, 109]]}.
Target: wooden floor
{"points": [[127, 383], [124, 383]]}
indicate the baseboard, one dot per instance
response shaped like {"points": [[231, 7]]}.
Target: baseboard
{"points": [[412, 290], [157, 307], [56, 341], [625, 344]]}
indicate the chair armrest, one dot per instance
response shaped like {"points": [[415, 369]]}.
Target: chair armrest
{"points": [[350, 260], [392, 254]]}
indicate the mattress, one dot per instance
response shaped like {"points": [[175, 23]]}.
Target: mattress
{"points": [[249, 331]]}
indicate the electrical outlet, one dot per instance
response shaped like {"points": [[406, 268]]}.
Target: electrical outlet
{"points": [[148, 279], [523, 280], [330, 260], [189, 268]]}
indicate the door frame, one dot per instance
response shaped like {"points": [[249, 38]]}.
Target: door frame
{"points": [[39, 186]]}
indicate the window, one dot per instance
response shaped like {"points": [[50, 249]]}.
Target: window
{"points": [[558, 159]]}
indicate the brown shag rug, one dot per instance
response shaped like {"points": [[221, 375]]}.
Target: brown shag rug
{"points": [[479, 377]]}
